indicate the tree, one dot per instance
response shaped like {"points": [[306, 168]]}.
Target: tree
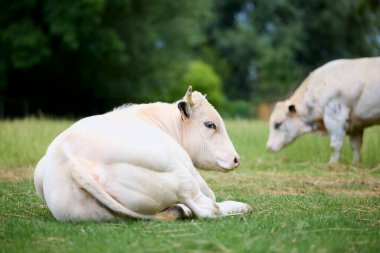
{"points": [[270, 46], [204, 79], [89, 56]]}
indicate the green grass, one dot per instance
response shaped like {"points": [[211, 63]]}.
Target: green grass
{"points": [[23, 142], [300, 204]]}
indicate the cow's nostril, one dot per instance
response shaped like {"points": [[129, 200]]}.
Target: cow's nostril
{"points": [[236, 160]]}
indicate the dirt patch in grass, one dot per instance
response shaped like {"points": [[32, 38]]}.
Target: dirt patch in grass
{"points": [[358, 183], [293, 183], [293, 191], [16, 174]]}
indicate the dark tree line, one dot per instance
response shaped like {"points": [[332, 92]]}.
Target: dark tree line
{"points": [[84, 57], [270, 46]]}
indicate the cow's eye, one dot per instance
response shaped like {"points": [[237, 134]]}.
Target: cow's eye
{"points": [[210, 125], [277, 125]]}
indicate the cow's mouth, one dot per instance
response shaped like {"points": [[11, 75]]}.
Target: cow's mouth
{"points": [[274, 148], [226, 167]]}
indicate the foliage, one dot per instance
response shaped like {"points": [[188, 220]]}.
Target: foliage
{"points": [[93, 55], [270, 46], [85, 57], [203, 79], [236, 109]]}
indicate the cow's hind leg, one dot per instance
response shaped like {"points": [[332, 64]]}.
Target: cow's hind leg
{"points": [[39, 177], [175, 212], [356, 141]]}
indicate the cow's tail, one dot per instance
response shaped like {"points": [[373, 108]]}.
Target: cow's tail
{"points": [[81, 175]]}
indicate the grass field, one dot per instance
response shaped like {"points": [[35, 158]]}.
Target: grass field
{"points": [[300, 204]]}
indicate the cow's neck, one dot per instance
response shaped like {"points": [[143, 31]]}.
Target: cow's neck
{"points": [[300, 93], [306, 105], [165, 116]]}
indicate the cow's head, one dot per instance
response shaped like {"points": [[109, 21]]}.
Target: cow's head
{"points": [[205, 136], [285, 125]]}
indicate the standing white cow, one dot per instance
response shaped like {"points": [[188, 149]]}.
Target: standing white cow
{"points": [[342, 96], [138, 161]]}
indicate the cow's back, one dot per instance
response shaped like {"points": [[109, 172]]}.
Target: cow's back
{"points": [[355, 82], [367, 107]]}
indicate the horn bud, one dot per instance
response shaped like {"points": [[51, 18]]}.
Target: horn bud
{"points": [[188, 97]]}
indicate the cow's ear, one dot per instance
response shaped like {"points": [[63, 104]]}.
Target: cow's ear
{"points": [[184, 109], [292, 109]]}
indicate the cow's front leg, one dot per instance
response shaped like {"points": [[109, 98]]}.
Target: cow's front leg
{"points": [[205, 189], [233, 207], [335, 120], [336, 143], [356, 141], [205, 207]]}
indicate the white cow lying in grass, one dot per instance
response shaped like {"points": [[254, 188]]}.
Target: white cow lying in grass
{"points": [[138, 161], [342, 96]]}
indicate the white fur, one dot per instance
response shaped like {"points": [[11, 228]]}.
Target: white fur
{"points": [[341, 97], [137, 161]]}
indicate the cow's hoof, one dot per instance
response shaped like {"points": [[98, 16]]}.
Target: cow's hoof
{"points": [[234, 208]]}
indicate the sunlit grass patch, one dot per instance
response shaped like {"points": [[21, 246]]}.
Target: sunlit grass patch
{"points": [[24, 141]]}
